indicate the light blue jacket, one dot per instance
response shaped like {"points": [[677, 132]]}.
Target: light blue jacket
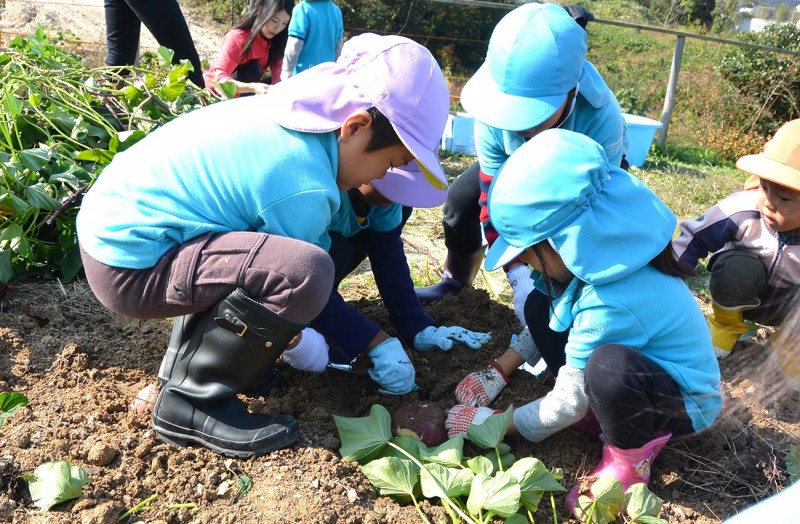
{"points": [[606, 226], [319, 24], [224, 167], [654, 313]]}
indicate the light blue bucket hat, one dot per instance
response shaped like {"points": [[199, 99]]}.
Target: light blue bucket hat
{"points": [[603, 222], [536, 56]]}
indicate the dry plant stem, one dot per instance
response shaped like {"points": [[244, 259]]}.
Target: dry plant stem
{"points": [[424, 251]]}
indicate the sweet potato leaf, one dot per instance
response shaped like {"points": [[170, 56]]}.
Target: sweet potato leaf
{"points": [[534, 480], [392, 476], [491, 432], [443, 482], [9, 403], [363, 438], [499, 495], [55, 482], [449, 453], [641, 502]]}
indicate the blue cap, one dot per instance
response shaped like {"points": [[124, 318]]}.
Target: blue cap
{"points": [[602, 221], [536, 55]]}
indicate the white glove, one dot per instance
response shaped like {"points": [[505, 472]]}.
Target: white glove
{"points": [[522, 285], [443, 338], [310, 354], [524, 346], [391, 368]]}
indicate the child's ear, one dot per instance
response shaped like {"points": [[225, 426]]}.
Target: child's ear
{"points": [[356, 122]]}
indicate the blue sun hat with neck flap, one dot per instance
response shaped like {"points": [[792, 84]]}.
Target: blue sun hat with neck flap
{"points": [[603, 222], [536, 56]]}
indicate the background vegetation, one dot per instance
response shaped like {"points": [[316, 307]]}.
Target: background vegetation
{"points": [[730, 99], [64, 120]]}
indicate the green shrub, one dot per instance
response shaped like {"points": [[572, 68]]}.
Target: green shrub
{"points": [[771, 81], [61, 124]]}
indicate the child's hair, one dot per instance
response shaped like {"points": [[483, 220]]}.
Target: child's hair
{"points": [[667, 262], [258, 15], [383, 134], [548, 280]]}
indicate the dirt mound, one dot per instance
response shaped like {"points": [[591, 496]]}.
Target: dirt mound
{"points": [[83, 20], [80, 366]]}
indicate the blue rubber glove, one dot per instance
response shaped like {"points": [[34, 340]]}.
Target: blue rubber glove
{"points": [[443, 338], [391, 368], [522, 284]]}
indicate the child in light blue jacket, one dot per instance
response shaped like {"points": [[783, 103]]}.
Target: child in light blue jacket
{"points": [[635, 351], [212, 219], [369, 225], [316, 34]]}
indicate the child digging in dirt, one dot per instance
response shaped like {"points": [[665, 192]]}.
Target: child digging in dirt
{"points": [[619, 329], [369, 224], [754, 236], [212, 219]]}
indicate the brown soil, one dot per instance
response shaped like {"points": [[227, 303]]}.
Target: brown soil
{"points": [[80, 366]]}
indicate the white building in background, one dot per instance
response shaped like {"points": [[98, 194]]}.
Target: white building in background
{"points": [[750, 21]]}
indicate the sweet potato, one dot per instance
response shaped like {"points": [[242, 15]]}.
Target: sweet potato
{"points": [[420, 419]]}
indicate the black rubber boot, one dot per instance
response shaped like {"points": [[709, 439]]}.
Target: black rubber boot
{"points": [[459, 272], [222, 352]]}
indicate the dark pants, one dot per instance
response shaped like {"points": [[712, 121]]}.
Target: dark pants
{"points": [[739, 278], [461, 223], [632, 398], [550, 343], [347, 255], [290, 277], [163, 18]]}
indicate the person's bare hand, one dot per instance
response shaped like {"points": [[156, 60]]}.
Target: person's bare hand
{"points": [[259, 88], [142, 404]]}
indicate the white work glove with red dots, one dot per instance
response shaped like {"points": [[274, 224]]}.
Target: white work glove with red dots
{"points": [[461, 417], [480, 388]]}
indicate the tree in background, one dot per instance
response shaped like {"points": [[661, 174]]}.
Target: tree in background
{"points": [[782, 14], [456, 34], [770, 80], [726, 15]]}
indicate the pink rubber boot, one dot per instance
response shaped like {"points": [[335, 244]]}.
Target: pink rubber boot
{"points": [[628, 466]]}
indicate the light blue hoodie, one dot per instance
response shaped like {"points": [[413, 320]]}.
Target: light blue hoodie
{"points": [[218, 169], [607, 226]]}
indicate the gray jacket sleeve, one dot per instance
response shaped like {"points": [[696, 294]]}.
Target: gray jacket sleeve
{"points": [[563, 406], [339, 45], [291, 54]]}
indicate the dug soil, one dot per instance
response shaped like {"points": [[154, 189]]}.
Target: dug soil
{"points": [[80, 366]]}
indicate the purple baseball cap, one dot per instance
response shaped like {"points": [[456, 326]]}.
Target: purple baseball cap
{"points": [[401, 185], [397, 76], [536, 56]]}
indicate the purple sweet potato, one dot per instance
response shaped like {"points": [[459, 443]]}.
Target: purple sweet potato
{"points": [[420, 419]]}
